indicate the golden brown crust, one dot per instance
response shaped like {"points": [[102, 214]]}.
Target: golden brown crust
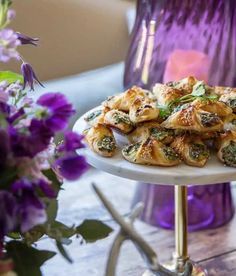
{"points": [[100, 139], [119, 121], [212, 106], [226, 144], [166, 94], [229, 99], [96, 117], [191, 149], [143, 110], [193, 119], [151, 129], [151, 152], [125, 100]]}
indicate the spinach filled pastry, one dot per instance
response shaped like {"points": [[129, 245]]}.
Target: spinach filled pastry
{"points": [[143, 110], [96, 117], [230, 122], [166, 94], [192, 150], [118, 120], [227, 148], [152, 130], [222, 90], [213, 106], [186, 84], [151, 152], [124, 100], [193, 119], [229, 99], [100, 139]]}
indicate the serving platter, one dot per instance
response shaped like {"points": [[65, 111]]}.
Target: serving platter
{"points": [[213, 172]]}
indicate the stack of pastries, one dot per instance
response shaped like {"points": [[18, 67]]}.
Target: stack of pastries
{"points": [[176, 122]]}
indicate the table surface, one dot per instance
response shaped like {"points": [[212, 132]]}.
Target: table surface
{"points": [[214, 249], [213, 172]]}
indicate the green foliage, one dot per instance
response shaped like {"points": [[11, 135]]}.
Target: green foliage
{"points": [[7, 177], [56, 184], [93, 230], [10, 77], [27, 259], [63, 252]]}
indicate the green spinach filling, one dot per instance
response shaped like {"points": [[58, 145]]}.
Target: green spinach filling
{"points": [[107, 143], [170, 153], [160, 134], [131, 149], [232, 103], [229, 154], [198, 152], [93, 115], [121, 118]]}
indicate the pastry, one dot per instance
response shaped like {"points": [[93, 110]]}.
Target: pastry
{"points": [[124, 100], [143, 110], [166, 94], [229, 99], [151, 152], [227, 148], [193, 119], [100, 139], [118, 120], [192, 150], [151, 129]]}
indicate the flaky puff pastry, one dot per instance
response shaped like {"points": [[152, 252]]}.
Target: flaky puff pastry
{"points": [[230, 122], [192, 150], [152, 130], [124, 100], [118, 120], [100, 139], [151, 152], [96, 117], [143, 110], [185, 84], [226, 145], [229, 99], [193, 119], [212, 106], [166, 94], [222, 90]]}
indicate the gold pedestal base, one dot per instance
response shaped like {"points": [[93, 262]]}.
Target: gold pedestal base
{"points": [[197, 270]]}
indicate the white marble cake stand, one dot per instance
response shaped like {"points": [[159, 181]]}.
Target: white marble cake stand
{"points": [[179, 176]]}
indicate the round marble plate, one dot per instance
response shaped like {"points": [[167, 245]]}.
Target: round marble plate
{"points": [[213, 172]]}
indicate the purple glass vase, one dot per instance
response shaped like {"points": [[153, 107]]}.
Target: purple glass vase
{"points": [[170, 40]]}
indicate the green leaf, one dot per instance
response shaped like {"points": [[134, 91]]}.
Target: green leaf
{"points": [[63, 252], [199, 89], [164, 111], [51, 208], [27, 259], [7, 177], [92, 230], [14, 235], [10, 77], [59, 231]]}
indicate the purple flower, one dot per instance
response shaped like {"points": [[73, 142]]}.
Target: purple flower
{"points": [[35, 140], [59, 110], [72, 142], [71, 166], [14, 88], [46, 188], [29, 76], [18, 114], [31, 210], [24, 39], [8, 44], [11, 14], [8, 218], [4, 148]]}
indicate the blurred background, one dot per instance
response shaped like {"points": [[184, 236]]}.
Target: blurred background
{"points": [[75, 35]]}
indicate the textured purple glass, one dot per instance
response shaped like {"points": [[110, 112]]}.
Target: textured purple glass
{"points": [[196, 37]]}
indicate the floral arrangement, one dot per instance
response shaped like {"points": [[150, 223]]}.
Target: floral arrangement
{"points": [[32, 166]]}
